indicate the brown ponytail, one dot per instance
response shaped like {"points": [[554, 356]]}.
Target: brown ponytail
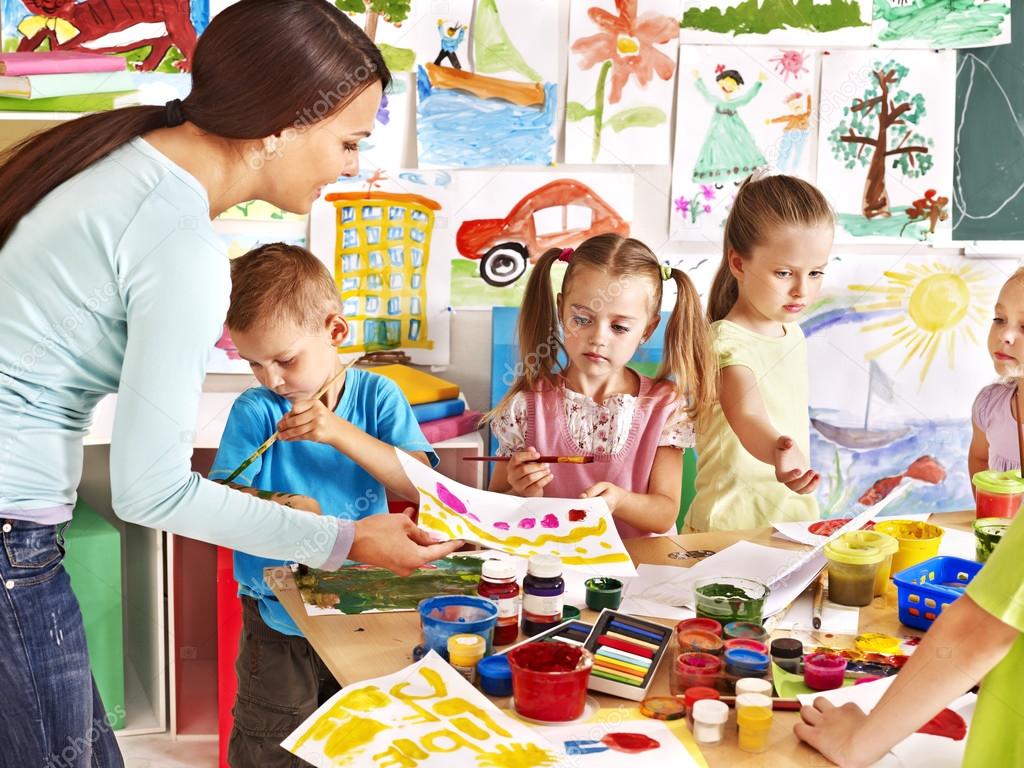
{"points": [[261, 67], [763, 203], [687, 356]]}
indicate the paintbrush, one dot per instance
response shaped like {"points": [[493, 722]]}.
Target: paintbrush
{"points": [[273, 438], [819, 598], [539, 460], [785, 705]]}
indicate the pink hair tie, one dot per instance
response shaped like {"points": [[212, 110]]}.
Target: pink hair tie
{"points": [[565, 255]]}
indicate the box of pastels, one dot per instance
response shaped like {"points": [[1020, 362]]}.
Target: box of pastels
{"points": [[627, 652]]}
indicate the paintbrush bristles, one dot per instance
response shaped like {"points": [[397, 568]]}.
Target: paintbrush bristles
{"points": [[273, 438]]}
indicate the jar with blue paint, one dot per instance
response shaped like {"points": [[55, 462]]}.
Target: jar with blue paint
{"points": [[543, 590], [447, 615], [741, 663]]}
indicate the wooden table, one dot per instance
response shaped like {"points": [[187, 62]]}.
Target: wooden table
{"points": [[360, 647]]}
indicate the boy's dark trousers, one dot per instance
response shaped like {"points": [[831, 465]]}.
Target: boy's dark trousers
{"points": [[281, 682]]}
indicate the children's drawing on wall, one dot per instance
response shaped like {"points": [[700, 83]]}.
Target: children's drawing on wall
{"points": [[426, 715], [777, 22], [384, 239], [745, 109], [504, 112], [941, 23], [621, 71], [898, 344], [386, 146], [886, 156], [155, 36], [506, 222], [580, 532]]}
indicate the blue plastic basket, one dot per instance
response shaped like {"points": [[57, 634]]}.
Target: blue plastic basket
{"points": [[927, 588]]}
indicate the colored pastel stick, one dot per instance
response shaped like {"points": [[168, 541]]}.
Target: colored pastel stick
{"points": [[632, 669], [629, 658], [625, 645], [637, 679], [633, 640], [643, 633], [597, 672], [618, 670]]}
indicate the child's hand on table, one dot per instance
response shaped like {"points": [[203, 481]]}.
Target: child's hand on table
{"points": [[792, 468], [833, 731], [611, 493], [526, 476]]}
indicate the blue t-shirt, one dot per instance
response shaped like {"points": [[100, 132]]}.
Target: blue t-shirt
{"points": [[370, 402]]}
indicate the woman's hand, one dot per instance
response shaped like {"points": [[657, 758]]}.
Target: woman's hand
{"points": [[396, 543], [526, 476], [791, 467]]}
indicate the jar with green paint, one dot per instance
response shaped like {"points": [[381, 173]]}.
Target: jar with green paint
{"points": [[852, 565], [988, 532], [729, 598]]}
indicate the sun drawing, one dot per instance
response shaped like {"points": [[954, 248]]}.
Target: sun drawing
{"points": [[940, 305]]}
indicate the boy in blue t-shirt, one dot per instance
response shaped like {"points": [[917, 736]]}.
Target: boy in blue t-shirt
{"points": [[334, 456]]}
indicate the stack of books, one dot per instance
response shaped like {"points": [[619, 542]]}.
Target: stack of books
{"points": [[64, 81], [439, 409]]}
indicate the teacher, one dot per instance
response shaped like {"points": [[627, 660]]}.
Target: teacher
{"points": [[113, 280]]}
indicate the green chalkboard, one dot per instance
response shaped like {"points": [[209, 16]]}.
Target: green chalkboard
{"points": [[988, 172]]}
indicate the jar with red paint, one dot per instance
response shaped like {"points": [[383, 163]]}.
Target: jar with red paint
{"points": [[824, 671], [692, 670], [498, 584], [997, 494], [549, 680]]}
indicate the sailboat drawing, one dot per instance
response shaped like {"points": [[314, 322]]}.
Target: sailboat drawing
{"points": [[864, 438]]}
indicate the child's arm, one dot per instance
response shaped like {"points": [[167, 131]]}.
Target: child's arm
{"points": [[311, 420], [655, 511], [945, 666], [977, 455], [744, 410], [293, 500]]}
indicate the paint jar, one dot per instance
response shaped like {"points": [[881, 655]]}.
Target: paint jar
{"points": [[740, 663], [919, 541], [997, 494], [464, 653], [824, 671], [727, 598], [692, 695], [495, 676], [988, 532], [498, 584], [708, 625], [709, 719], [447, 615], [699, 641], [549, 680], [743, 642], [788, 654], [889, 547], [851, 571], [752, 700], [754, 685], [755, 725], [543, 589], [692, 670], [570, 612], [603, 593], [745, 630]]}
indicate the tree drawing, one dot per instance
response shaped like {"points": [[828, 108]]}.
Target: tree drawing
{"points": [[759, 17], [881, 124], [942, 23], [393, 11]]}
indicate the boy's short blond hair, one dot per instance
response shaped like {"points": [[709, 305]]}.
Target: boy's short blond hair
{"points": [[280, 283]]}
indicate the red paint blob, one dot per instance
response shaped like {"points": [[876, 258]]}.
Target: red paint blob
{"points": [[629, 742], [575, 515], [947, 723]]}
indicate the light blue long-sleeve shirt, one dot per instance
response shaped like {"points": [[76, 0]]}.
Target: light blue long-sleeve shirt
{"points": [[116, 282]]}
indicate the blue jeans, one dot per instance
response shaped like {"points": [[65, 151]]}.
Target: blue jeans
{"points": [[50, 711]]}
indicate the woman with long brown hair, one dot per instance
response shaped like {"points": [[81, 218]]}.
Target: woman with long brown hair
{"points": [[113, 280]]}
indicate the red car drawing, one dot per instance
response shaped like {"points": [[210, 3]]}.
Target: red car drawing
{"points": [[561, 214]]}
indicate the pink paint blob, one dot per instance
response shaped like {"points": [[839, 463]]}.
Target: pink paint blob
{"points": [[527, 523], [501, 526], [449, 499], [549, 521]]}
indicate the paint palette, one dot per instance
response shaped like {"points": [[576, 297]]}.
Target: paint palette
{"points": [[627, 652]]}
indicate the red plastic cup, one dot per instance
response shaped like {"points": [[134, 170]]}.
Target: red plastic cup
{"points": [[998, 494], [549, 680]]}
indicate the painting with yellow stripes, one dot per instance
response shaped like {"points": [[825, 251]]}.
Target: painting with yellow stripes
{"points": [[384, 237], [581, 532]]}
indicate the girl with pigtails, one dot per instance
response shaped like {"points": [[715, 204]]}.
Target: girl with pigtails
{"points": [[574, 396]]}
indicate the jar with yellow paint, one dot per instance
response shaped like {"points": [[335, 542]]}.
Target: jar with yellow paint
{"points": [[918, 541]]}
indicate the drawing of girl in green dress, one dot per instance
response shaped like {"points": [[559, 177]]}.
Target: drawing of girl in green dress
{"points": [[729, 151]]}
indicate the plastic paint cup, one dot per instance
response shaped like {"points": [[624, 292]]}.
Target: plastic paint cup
{"points": [[495, 676], [824, 671], [919, 541], [447, 615], [692, 695], [788, 653], [852, 567], [752, 685], [549, 680], [889, 547], [603, 593], [709, 719], [727, 598], [699, 641], [708, 625], [755, 724], [988, 532], [692, 670], [997, 494], [744, 642], [746, 630], [753, 701]]}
